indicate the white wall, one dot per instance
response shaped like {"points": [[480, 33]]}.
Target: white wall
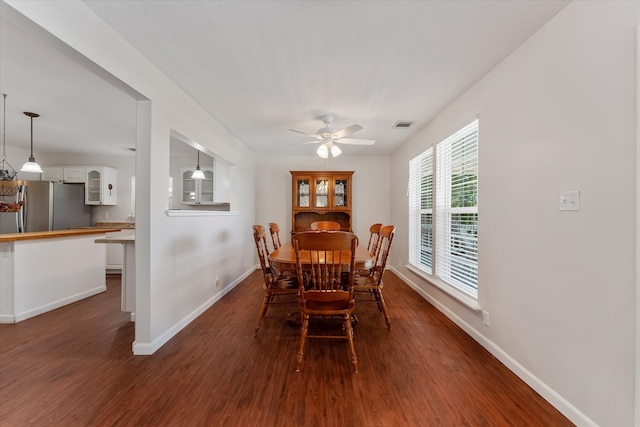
{"points": [[558, 114], [370, 185], [178, 258]]}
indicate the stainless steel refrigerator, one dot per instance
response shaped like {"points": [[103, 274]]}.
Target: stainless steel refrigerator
{"points": [[47, 206]]}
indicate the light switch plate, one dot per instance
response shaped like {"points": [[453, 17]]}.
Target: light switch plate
{"points": [[570, 200]]}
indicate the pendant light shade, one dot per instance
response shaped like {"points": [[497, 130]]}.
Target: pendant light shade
{"points": [[31, 165], [198, 174]]}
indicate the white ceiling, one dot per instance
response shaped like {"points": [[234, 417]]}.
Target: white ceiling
{"points": [[263, 67]]}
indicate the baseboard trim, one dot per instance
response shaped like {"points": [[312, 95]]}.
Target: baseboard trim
{"points": [[145, 349], [549, 394], [57, 304], [7, 318]]}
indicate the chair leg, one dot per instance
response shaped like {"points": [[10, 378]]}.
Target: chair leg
{"points": [[349, 329], [263, 312], [376, 297], [383, 305], [303, 337]]}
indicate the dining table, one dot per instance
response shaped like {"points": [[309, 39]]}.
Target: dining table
{"points": [[284, 258]]}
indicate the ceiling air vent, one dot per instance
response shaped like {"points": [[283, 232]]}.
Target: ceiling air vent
{"points": [[402, 124]]}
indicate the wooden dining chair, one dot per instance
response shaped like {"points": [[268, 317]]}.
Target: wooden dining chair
{"points": [[325, 226], [275, 235], [275, 238], [274, 285], [326, 286], [369, 288], [374, 235]]}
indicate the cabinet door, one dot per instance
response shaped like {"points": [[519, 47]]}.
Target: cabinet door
{"points": [[109, 186], [189, 194], [302, 192], [341, 193], [52, 174], [77, 175], [322, 191], [93, 187], [206, 187]]}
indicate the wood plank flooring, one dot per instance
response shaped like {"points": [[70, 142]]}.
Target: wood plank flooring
{"points": [[74, 367]]}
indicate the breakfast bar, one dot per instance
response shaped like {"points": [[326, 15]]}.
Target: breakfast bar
{"points": [[42, 271], [128, 286]]}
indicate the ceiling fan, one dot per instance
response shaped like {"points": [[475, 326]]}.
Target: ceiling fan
{"points": [[328, 138]]}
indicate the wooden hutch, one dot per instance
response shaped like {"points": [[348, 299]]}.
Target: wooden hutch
{"points": [[320, 196]]}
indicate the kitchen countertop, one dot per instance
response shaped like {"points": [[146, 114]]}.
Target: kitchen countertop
{"points": [[117, 239], [121, 225], [11, 237], [116, 224]]}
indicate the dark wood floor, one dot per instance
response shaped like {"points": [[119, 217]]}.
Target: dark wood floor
{"points": [[73, 367]]}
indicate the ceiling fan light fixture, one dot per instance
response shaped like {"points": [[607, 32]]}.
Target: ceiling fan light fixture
{"points": [[31, 165], [328, 138], [323, 151], [335, 150]]}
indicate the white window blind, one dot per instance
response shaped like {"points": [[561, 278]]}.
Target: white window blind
{"points": [[421, 211], [457, 210]]}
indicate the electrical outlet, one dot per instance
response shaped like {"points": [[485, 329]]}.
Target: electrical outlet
{"points": [[217, 281], [485, 317]]}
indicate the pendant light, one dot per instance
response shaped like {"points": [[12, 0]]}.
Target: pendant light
{"points": [[197, 174], [31, 165]]}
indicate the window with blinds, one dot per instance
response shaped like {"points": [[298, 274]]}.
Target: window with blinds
{"points": [[456, 210], [421, 211]]}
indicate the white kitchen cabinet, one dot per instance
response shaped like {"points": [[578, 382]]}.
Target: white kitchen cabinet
{"points": [[71, 174], [50, 173], [75, 175], [197, 191], [101, 186]]}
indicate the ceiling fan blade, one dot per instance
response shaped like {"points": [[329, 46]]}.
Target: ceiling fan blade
{"points": [[352, 141], [346, 131], [312, 135], [303, 143]]}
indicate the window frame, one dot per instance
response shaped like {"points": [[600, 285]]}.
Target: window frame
{"points": [[456, 272]]}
